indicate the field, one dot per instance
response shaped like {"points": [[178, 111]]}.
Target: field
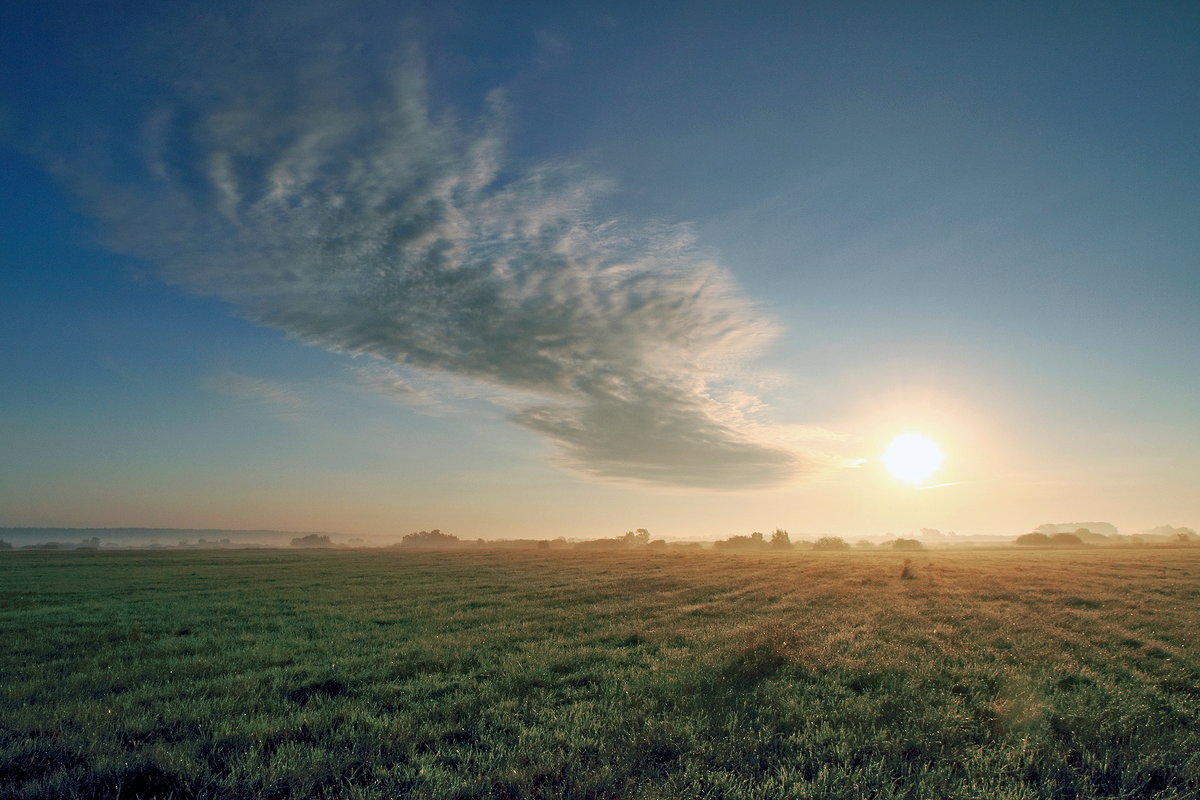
{"points": [[547, 673]]}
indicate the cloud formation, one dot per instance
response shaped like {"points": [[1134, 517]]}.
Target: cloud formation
{"points": [[330, 203], [276, 398]]}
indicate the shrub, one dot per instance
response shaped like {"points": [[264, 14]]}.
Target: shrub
{"points": [[754, 541], [433, 538], [831, 543], [601, 544], [311, 540], [1033, 540], [638, 538], [906, 544]]}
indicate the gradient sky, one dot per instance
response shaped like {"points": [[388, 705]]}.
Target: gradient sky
{"points": [[575, 268]]}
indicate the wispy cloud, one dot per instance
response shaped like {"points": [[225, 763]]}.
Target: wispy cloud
{"points": [[275, 397], [333, 205]]}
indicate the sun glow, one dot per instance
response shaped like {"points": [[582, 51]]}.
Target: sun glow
{"points": [[912, 458]]}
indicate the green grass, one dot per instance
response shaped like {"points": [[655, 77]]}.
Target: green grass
{"points": [[383, 674]]}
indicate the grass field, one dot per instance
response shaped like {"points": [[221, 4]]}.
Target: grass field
{"points": [[545, 673]]}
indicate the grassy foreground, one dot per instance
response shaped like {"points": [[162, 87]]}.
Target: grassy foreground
{"points": [[373, 674]]}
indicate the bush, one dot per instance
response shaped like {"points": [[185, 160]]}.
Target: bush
{"points": [[906, 544], [754, 541], [433, 538], [638, 538], [831, 543], [312, 540], [601, 544], [1033, 540]]}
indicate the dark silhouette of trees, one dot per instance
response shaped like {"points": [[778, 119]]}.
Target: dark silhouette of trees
{"points": [[5, 545], [831, 543], [1039, 539], [754, 541], [638, 538], [433, 538], [311, 540], [906, 544], [780, 540]]}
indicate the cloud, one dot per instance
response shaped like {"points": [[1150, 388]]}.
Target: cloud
{"points": [[392, 384], [667, 435], [275, 397], [330, 202]]}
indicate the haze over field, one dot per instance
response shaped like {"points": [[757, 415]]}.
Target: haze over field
{"points": [[571, 269]]}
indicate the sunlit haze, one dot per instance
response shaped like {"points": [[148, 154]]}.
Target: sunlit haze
{"points": [[574, 269]]}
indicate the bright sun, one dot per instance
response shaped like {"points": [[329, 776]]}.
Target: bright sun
{"points": [[912, 458]]}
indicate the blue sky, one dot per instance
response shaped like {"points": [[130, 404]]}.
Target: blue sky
{"points": [[569, 269]]}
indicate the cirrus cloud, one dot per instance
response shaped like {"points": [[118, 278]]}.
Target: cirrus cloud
{"points": [[333, 205]]}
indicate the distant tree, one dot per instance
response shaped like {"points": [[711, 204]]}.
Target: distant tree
{"points": [[780, 540], [657, 544], [1105, 529], [830, 543], [906, 544], [638, 538], [543, 544], [755, 541], [1067, 539], [89, 544], [433, 538], [1035, 539], [1173, 534], [311, 540], [602, 544], [864, 544], [5, 545]]}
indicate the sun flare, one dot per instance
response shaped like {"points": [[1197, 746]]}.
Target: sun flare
{"points": [[912, 458]]}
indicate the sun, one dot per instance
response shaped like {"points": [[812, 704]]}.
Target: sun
{"points": [[912, 458]]}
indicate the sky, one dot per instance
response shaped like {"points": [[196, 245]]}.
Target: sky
{"points": [[569, 269]]}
